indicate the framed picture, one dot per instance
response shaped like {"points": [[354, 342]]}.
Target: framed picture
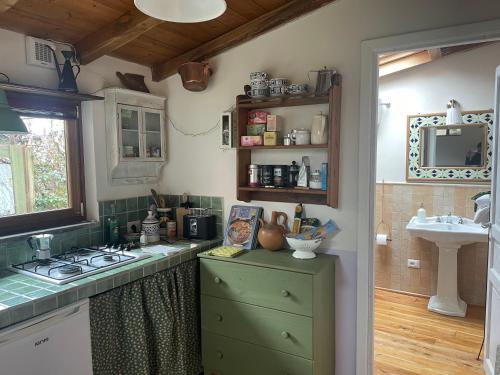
{"points": [[242, 227]]}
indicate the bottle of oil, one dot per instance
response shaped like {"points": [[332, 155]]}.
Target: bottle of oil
{"points": [[113, 228]]}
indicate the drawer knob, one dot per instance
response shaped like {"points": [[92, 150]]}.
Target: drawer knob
{"points": [[219, 318], [220, 355], [217, 280], [285, 334], [285, 293]]}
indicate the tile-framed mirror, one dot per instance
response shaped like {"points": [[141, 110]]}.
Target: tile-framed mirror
{"points": [[437, 152]]}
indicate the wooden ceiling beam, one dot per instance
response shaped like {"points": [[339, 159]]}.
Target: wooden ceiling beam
{"points": [[243, 33], [126, 28], [5, 5]]}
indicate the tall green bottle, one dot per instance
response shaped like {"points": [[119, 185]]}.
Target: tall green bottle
{"points": [[113, 228]]}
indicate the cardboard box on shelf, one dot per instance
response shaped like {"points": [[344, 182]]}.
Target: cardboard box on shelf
{"points": [[251, 140], [272, 138], [274, 123], [256, 129], [257, 117]]}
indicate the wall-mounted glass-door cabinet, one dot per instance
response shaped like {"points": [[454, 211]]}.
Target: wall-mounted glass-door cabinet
{"points": [[140, 133], [136, 137]]}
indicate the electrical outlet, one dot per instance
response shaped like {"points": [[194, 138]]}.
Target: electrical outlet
{"points": [[413, 263], [137, 225]]}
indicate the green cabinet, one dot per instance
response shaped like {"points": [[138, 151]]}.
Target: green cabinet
{"points": [[267, 313]]}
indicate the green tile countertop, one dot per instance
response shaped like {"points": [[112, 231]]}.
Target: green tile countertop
{"points": [[23, 297]]}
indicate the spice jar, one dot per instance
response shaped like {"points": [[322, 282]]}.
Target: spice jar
{"points": [[281, 176], [267, 179], [254, 175], [315, 182]]}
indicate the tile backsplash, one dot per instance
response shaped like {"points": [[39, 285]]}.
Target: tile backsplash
{"points": [[16, 250], [400, 204]]}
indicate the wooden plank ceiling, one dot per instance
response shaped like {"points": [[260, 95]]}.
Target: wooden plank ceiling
{"points": [[396, 62], [117, 28]]}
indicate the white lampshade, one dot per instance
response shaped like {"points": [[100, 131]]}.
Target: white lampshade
{"points": [[182, 11]]}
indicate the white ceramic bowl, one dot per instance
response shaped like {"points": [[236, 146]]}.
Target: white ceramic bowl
{"points": [[304, 249]]}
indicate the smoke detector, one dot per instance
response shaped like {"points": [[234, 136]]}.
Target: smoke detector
{"points": [[38, 52]]}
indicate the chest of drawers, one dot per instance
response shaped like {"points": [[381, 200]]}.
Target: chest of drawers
{"points": [[267, 313]]}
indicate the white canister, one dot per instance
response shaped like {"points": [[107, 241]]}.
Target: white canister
{"points": [[151, 228], [301, 136], [319, 131]]}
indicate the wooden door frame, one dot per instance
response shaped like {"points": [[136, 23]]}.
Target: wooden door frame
{"points": [[370, 50]]}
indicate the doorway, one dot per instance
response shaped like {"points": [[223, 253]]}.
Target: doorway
{"points": [[432, 162], [481, 32]]}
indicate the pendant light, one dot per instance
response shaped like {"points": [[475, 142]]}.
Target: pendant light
{"points": [[10, 122], [182, 11]]}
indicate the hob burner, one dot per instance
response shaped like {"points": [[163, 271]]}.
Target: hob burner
{"points": [[109, 257], [68, 269]]}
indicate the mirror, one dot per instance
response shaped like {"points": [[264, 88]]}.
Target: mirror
{"points": [[453, 146], [449, 153]]}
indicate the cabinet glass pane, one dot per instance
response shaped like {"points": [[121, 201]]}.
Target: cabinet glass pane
{"points": [[152, 126], [152, 121], [129, 122], [153, 145]]}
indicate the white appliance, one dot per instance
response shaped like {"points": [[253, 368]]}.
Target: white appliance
{"points": [[56, 343]]}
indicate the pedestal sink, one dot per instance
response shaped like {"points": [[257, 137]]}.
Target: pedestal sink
{"points": [[449, 233]]}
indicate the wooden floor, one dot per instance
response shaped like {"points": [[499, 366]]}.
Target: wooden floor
{"points": [[409, 340]]}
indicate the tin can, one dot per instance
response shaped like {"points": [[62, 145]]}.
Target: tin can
{"points": [[281, 175], [267, 176], [254, 175], [171, 229]]}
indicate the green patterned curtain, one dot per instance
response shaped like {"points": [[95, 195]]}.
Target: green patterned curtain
{"points": [[150, 326]]}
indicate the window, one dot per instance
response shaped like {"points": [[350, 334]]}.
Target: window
{"points": [[41, 178]]}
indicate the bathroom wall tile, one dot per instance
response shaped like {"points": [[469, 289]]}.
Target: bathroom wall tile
{"points": [[399, 205]]}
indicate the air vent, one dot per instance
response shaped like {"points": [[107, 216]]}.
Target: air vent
{"points": [[38, 52]]}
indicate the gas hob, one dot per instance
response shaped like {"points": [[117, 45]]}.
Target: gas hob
{"points": [[77, 263]]}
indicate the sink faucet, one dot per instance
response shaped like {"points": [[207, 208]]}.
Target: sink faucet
{"points": [[460, 220], [449, 219], [438, 219]]}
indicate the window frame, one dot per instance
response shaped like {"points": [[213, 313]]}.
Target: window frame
{"points": [[39, 105]]}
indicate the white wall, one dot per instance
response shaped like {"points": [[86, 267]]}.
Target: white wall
{"points": [[467, 77]]}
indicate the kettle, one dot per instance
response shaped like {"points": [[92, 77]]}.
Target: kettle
{"points": [[67, 77], [41, 244], [319, 132], [324, 81]]}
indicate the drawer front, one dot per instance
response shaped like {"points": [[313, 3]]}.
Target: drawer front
{"points": [[289, 333], [277, 289], [225, 356]]}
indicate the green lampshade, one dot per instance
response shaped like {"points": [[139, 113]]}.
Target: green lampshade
{"points": [[10, 122]]}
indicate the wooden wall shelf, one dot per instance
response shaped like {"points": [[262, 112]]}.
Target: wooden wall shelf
{"points": [[281, 147], [291, 101], [329, 197]]}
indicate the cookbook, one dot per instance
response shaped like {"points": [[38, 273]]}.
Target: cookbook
{"points": [[242, 227]]}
